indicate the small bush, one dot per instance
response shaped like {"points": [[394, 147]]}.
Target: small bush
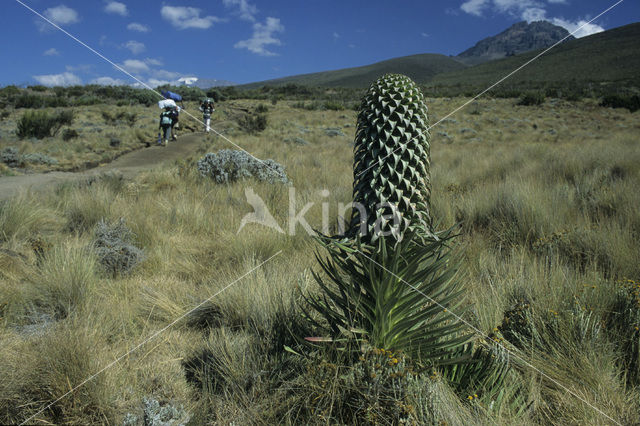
{"points": [[155, 413], [229, 166], [113, 248], [253, 123], [38, 158], [29, 101], [10, 156], [40, 124], [632, 103], [69, 134], [38, 88], [333, 132], [531, 99], [120, 117], [262, 108], [333, 106]]}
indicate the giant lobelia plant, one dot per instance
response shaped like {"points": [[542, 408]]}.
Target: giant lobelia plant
{"points": [[390, 282]]}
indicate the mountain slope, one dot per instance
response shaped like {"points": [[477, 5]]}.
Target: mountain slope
{"points": [[518, 38], [421, 68], [612, 55]]}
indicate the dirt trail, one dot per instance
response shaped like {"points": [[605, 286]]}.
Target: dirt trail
{"points": [[129, 164]]}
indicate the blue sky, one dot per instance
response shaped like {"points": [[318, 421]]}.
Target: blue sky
{"points": [[252, 40]]}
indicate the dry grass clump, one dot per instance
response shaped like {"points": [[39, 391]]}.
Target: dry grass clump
{"points": [[549, 217]]}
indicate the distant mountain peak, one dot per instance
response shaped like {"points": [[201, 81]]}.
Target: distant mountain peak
{"points": [[519, 38]]}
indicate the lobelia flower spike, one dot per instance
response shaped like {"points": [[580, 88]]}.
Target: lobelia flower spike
{"points": [[391, 178]]}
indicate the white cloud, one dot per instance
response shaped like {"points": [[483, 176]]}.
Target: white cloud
{"points": [[64, 79], [117, 8], [135, 66], [515, 6], [108, 81], [154, 82], [530, 11], [187, 17], [263, 35], [135, 46], [474, 7], [245, 10], [135, 26], [336, 36], [166, 75], [587, 29], [153, 62], [51, 52], [59, 15], [425, 35], [534, 14]]}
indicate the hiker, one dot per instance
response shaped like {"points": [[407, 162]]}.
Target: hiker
{"points": [[175, 112], [207, 108], [165, 126]]}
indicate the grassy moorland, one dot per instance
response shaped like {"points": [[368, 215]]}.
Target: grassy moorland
{"points": [[548, 204]]}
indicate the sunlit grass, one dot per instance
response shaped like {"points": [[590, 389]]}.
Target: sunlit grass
{"points": [[547, 215]]}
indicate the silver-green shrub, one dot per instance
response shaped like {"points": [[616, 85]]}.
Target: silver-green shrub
{"points": [[228, 166], [113, 245]]}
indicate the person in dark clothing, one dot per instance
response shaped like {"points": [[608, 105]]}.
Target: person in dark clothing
{"points": [[166, 121], [175, 112], [207, 109]]}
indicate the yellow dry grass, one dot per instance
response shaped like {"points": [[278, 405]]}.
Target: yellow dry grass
{"points": [[548, 201]]}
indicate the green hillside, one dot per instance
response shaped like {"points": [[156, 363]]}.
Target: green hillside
{"points": [[421, 68], [610, 56]]}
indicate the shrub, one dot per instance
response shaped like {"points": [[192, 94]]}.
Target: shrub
{"points": [[632, 103], [120, 117], [333, 132], [10, 156], [155, 413], [113, 248], [229, 166], [215, 95], [29, 101], [253, 123], [69, 134], [38, 88], [40, 124], [333, 106], [262, 108], [531, 99], [38, 158]]}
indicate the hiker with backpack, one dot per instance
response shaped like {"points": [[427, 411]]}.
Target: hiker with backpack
{"points": [[165, 126], [175, 113], [207, 108]]}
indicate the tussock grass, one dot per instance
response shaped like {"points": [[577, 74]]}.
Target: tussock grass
{"points": [[64, 281], [547, 216], [24, 216]]}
